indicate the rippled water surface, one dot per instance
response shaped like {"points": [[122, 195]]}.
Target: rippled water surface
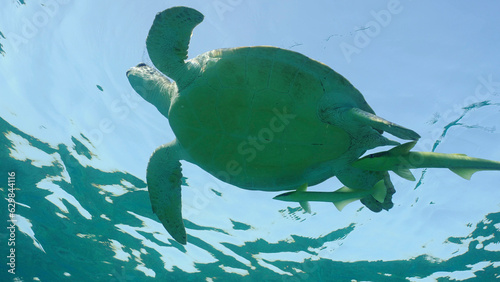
{"points": [[79, 138]]}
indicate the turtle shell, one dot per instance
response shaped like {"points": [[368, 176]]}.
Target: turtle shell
{"points": [[251, 118]]}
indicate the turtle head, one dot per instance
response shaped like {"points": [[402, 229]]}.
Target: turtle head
{"points": [[153, 86]]}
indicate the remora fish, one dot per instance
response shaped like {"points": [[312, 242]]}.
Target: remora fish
{"points": [[400, 160], [339, 198]]}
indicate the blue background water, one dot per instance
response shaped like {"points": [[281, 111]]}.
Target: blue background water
{"points": [[79, 139]]}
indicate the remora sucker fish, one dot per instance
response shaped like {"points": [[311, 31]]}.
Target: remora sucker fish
{"points": [[400, 160], [340, 198]]}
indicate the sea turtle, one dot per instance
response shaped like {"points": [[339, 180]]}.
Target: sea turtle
{"points": [[260, 118]]}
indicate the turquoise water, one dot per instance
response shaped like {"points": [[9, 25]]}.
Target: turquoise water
{"points": [[79, 138]]}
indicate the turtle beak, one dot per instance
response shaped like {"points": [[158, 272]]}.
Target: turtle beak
{"points": [[129, 72], [141, 65]]}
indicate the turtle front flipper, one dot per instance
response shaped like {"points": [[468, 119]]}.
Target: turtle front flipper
{"points": [[164, 178], [357, 115], [168, 40]]}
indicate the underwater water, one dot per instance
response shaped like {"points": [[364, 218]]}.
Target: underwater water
{"points": [[75, 140]]}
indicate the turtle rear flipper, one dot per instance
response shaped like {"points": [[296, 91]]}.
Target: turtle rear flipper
{"points": [[381, 124], [347, 115]]}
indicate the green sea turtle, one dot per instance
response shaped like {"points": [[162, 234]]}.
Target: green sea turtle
{"points": [[260, 118]]}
